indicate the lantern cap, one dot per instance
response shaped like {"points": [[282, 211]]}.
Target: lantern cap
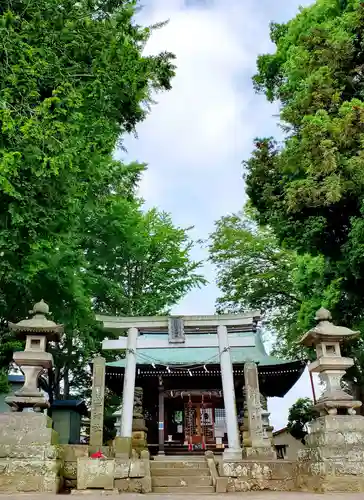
{"points": [[38, 324], [326, 331]]}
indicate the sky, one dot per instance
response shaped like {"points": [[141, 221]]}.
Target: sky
{"points": [[198, 134]]}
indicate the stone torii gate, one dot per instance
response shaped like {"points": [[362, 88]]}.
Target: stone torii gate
{"points": [[178, 340]]}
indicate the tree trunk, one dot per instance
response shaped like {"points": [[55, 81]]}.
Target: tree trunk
{"points": [[56, 383], [66, 384]]}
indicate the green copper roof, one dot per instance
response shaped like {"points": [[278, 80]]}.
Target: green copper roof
{"points": [[203, 356]]}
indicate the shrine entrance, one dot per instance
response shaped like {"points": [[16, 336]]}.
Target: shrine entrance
{"points": [[199, 424], [195, 420]]}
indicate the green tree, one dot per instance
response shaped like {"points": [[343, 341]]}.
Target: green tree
{"points": [[254, 272], [73, 79], [301, 413], [309, 188], [136, 263], [139, 263]]}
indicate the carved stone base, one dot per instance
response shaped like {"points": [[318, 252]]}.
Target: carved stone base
{"points": [[30, 459], [334, 457]]}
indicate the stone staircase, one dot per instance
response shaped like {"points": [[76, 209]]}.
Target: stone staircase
{"points": [[181, 475]]}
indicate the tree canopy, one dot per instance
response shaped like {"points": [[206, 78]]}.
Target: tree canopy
{"points": [[309, 187], [73, 80], [254, 272]]}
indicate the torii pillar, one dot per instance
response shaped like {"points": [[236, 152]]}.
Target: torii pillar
{"points": [[234, 452]]}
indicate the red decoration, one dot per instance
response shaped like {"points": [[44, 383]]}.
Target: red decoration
{"points": [[98, 454]]}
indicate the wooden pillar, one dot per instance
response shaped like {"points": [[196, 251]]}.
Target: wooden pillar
{"points": [[161, 420]]}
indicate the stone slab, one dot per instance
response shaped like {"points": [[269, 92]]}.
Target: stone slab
{"points": [[91, 492], [343, 423], [352, 453], [18, 402], [161, 471], [71, 452], [122, 447], [30, 467], [13, 482], [95, 473], [173, 481], [318, 484], [121, 468], [236, 485], [24, 420], [247, 469], [69, 470], [128, 485], [137, 469], [31, 452], [222, 484], [261, 453], [26, 429]]}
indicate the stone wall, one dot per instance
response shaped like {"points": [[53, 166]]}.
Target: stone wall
{"points": [[246, 475]]}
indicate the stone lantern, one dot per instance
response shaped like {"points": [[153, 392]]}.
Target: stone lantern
{"points": [[333, 456], [36, 332], [326, 338]]}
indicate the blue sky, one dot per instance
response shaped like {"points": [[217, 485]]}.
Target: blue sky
{"points": [[198, 133]]}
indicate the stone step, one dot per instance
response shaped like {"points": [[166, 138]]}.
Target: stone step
{"points": [[180, 464], [181, 481], [175, 471], [197, 490], [189, 456]]}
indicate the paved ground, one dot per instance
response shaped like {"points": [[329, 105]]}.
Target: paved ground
{"points": [[233, 496]]}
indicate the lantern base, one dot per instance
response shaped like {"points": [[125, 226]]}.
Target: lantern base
{"points": [[29, 454], [18, 403], [333, 459], [333, 407]]}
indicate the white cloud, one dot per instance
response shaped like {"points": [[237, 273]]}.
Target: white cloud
{"points": [[196, 137]]}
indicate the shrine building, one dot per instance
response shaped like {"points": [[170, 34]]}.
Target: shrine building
{"points": [[190, 373]]}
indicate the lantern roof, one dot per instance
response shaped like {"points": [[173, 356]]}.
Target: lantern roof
{"points": [[326, 331], [38, 324]]}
